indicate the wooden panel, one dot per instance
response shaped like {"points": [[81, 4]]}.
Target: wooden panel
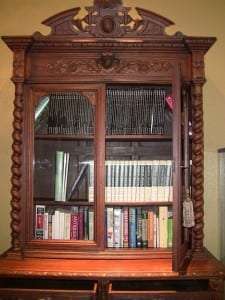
{"points": [[160, 290], [34, 289]]}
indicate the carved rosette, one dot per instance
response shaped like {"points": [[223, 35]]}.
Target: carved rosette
{"points": [[18, 78], [197, 149]]}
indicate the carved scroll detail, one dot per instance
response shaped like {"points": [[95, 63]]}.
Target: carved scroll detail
{"points": [[107, 19], [99, 66]]}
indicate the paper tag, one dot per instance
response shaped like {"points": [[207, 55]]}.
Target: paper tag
{"points": [[188, 214]]}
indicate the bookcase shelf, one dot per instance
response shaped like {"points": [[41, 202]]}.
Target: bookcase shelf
{"points": [[63, 137], [143, 137], [52, 202], [107, 163]]}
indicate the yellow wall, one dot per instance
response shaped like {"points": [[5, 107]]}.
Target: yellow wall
{"points": [[202, 17]]}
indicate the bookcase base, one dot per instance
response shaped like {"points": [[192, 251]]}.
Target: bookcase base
{"points": [[35, 278]]}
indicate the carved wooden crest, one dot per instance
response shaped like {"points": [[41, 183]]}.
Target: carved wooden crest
{"points": [[107, 19]]}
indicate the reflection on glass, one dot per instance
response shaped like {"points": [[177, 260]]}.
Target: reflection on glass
{"points": [[138, 167], [64, 167]]}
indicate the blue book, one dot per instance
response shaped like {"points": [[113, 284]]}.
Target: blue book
{"points": [[132, 227]]}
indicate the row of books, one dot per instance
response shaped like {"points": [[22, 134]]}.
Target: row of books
{"points": [[135, 110], [129, 110], [125, 180], [75, 223], [138, 227], [136, 181], [125, 227], [70, 113]]}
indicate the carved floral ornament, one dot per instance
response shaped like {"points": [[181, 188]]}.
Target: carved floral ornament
{"points": [[105, 64]]}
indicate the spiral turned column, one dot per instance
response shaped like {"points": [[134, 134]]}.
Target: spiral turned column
{"points": [[198, 150], [198, 167], [18, 76]]}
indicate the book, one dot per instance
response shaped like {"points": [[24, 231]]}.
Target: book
{"points": [[77, 180], [150, 229], [50, 213], [39, 222], [74, 223], [91, 224], [109, 227], [67, 225], [91, 181], [144, 228], [163, 226], [59, 175], [117, 217], [132, 227], [148, 104], [46, 223], [81, 223], [125, 227], [170, 232], [138, 227], [70, 113]]}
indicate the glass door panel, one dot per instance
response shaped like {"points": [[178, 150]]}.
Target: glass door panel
{"points": [[63, 186], [138, 181]]}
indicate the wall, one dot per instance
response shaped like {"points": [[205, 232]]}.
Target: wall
{"points": [[202, 17]]}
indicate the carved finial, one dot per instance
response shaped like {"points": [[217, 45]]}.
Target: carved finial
{"points": [[107, 3]]}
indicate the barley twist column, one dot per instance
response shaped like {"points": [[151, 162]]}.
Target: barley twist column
{"points": [[18, 76], [198, 149]]}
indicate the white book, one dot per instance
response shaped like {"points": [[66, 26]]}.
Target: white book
{"points": [[117, 213], [163, 224], [59, 175], [109, 227], [91, 224]]}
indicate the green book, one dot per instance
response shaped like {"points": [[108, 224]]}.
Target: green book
{"points": [[170, 232], [59, 175]]}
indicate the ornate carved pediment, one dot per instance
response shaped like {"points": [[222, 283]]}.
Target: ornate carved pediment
{"points": [[107, 19]]}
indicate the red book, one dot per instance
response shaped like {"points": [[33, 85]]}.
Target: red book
{"points": [[74, 224], [40, 222], [81, 223], [125, 227]]}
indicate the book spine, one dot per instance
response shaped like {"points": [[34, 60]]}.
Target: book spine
{"points": [[144, 229], [59, 175], [74, 224], [91, 224], [117, 213], [125, 227], [150, 230], [110, 229], [138, 227], [163, 223], [170, 229], [132, 227], [39, 221], [81, 223]]}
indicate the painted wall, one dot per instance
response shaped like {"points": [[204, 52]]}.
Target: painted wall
{"points": [[202, 17]]}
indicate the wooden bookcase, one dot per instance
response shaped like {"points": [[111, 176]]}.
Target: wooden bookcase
{"points": [[107, 163]]}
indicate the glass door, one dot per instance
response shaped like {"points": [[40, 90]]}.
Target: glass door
{"points": [[67, 132]]}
